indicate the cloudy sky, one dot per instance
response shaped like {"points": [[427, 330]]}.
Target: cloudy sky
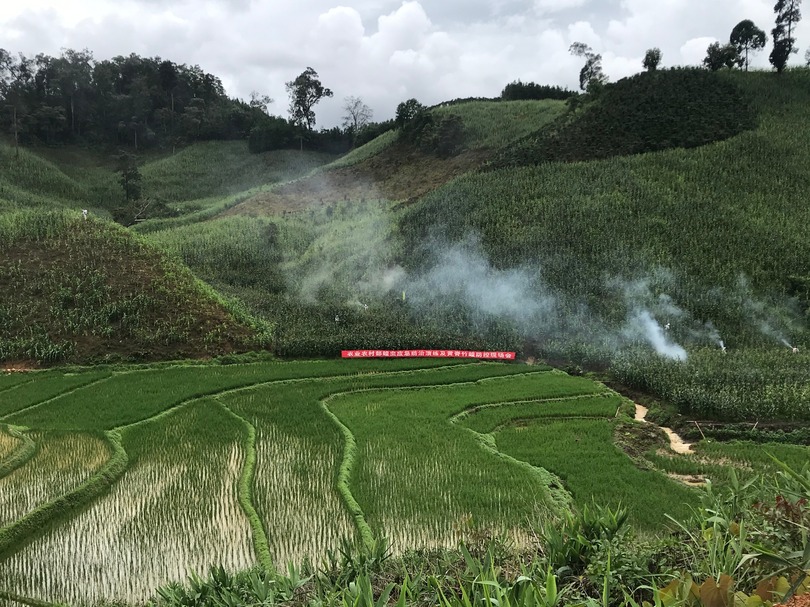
{"points": [[385, 51]]}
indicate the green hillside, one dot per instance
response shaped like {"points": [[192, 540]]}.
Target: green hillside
{"points": [[600, 262], [186, 181], [79, 291], [581, 260], [710, 240]]}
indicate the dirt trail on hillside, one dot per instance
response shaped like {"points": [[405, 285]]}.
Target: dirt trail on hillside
{"points": [[676, 443]]}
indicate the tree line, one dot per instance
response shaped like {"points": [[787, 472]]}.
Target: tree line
{"points": [[745, 38], [140, 102], [134, 101]]}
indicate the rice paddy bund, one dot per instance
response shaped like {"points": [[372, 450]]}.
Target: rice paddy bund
{"points": [[140, 478]]}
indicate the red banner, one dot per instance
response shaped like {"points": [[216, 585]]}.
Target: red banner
{"points": [[428, 354]]}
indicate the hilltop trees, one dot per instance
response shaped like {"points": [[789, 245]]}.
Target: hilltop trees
{"points": [[260, 102], [305, 91], [76, 98], [652, 59], [747, 37], [591, 75], [406, 111], [531, 90], [787, 16], [719, 56]]}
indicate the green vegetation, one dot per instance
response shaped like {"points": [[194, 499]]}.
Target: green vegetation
{"points": [[651, 111], [609, 479], [280, 461], [710, 460], [44, 387], [489, 419], [722, 243], [61, 464], [68, 303], [298, 450], [366, 151], [651, 229], [217, 169], [416, 477], [153, 390], [28, 180], [762, 384], [491, 125], [16, 449]]}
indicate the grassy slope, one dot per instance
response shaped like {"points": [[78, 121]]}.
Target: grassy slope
{"points": [[709, 213], [31, 180], [386, 168], [78, 291], [325, 252], [190, 179], [87, 291]]}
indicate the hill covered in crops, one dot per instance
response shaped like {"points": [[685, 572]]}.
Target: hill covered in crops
{"points": [[82, 291], [650, 234], [662, 213]]}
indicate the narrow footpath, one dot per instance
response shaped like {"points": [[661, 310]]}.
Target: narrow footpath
{"points": [[676, 443]]}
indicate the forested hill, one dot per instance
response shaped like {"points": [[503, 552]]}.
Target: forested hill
{"points": [[133, 100], [140, 103]]}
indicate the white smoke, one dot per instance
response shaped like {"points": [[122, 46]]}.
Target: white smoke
{"points": [[462, 273], [643, 325]]}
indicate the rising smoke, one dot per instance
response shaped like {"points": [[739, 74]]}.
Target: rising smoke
{"points": [[459, 284]]}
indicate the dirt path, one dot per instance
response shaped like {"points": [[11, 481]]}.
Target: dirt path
{"points": [[676, 443]]}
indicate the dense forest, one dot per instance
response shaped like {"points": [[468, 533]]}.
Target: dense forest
{"points": [[137, 102]]}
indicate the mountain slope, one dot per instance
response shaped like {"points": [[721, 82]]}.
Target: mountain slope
{"points": [[83, 291]]}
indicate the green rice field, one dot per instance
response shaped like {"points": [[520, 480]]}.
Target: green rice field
{"points": [[115, 482]]}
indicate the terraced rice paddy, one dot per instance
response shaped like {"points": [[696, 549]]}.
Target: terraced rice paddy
{"points": [[23, 394], [169, 471], [8, 444], [61, 464], [175, 511]]}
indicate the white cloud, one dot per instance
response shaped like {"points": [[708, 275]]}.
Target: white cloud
{"points": [[546, 7], [582, 31], [386, 51], [693, 51]]}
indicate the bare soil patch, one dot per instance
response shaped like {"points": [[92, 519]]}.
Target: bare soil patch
{"points": [[676, 443], [399, 173]]}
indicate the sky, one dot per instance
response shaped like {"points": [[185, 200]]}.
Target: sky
{"points": [[386, 51]]}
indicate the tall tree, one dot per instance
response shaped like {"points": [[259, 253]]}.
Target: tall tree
{"points": [[167, 73], [357, 115], [652, 59], [787, 16], [6, 71], [719, 56], [406, 111], [591, 75], [74, 74], [305, 91], [807, 57], [747, 37]]}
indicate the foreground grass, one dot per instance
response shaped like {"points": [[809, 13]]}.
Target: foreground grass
{"points": [[599, 472]]}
